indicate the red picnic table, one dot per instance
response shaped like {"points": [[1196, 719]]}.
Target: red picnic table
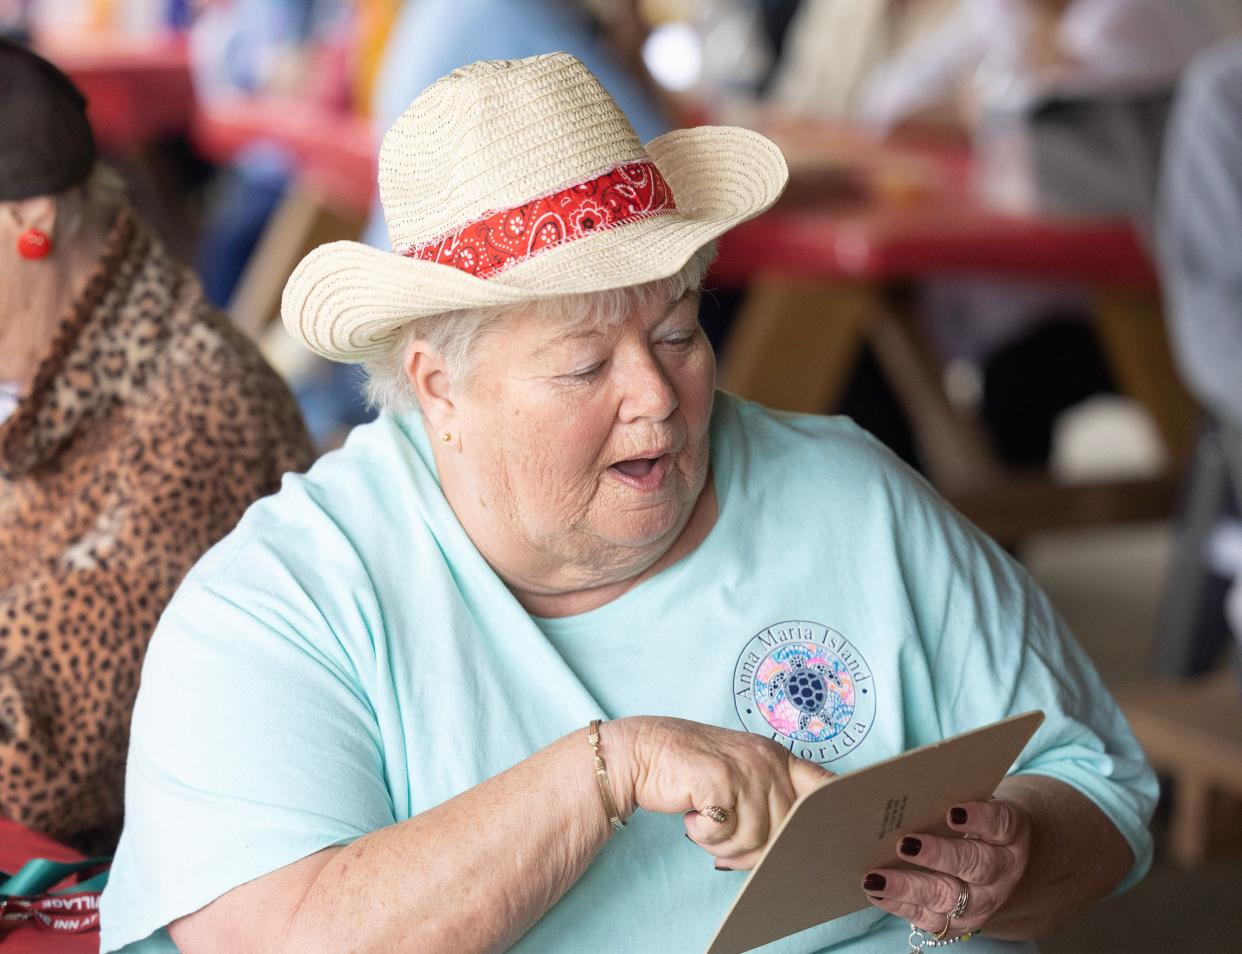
{"points": [[862, 219], [859, 242], [861, 210], [137, 90]]}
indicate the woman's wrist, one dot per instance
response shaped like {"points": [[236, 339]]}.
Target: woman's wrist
{"points": [[618, 744]]}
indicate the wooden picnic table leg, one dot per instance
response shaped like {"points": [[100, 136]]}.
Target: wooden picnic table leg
{"points": [[1132, 332], [793, 347], [794, 343], [302, 221], [958, 456], [952, 444], [1188, 830]]}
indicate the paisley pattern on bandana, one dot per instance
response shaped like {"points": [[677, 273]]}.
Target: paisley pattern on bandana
{"points": [[625, 193]]}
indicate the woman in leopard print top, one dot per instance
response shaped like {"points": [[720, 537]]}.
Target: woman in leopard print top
{"points": [[143, 426]]}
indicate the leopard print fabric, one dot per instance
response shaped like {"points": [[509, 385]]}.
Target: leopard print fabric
{"points": [[150, 426]]}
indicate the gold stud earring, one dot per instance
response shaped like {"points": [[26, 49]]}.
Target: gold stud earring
{"points": [[446, 437]]}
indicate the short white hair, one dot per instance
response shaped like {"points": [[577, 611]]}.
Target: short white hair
{"points": [[454, 334]]}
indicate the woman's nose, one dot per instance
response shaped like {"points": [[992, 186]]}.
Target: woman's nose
{"points": [[648, 392]]}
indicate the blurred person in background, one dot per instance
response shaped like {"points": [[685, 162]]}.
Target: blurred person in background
{"points": [[1032, 46], [136, 425], [1200, 219], [261, 47], [14, 19], [1199, 222], [835, 47], [947, 68], [363, 720]]}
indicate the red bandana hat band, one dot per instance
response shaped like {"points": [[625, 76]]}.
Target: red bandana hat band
{"points": [[487, 246]]}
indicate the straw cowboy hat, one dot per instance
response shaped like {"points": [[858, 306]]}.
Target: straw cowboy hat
{"points": [[514, 180]]}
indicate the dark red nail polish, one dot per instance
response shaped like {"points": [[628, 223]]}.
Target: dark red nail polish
{"points": [[874, 882], [718, 868], [958, 816], [911, 846]]}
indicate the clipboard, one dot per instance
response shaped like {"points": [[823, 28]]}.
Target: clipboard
{"points": [[812, 870]]}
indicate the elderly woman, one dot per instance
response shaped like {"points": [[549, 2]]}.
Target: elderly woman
{"points": [[363, 722], [135, 427]]}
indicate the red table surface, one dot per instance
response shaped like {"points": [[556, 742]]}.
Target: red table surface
{"points": [[909, 208], [137, 91], [17, 846], [335, 152], [885, 244]]}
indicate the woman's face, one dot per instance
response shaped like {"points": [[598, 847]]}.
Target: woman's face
{"points": [[588, 447]]}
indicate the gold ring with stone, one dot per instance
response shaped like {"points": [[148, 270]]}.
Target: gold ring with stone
{"points": [[716, 813]]}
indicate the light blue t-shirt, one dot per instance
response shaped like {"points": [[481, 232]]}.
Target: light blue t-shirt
{"points": [[345, 659]]}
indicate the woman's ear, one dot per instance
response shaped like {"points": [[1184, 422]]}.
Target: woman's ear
{"points": [[433, 386]]}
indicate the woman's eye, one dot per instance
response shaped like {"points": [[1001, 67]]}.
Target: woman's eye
{"points": [[584, 374], [680, 340]]}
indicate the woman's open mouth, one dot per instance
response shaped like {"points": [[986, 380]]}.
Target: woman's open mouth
{"points": [[642, 473]]}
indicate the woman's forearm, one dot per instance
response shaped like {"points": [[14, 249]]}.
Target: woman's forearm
{"points": [[1077, 857], [472, 874]]}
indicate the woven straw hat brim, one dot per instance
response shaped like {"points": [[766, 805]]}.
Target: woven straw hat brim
{"points": [[345, 300]]}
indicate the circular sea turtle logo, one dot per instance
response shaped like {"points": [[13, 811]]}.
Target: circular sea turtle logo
{"points": [[806, 686]]}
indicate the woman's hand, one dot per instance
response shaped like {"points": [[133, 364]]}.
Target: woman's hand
{"points": [[679, 766], [989, 860]]}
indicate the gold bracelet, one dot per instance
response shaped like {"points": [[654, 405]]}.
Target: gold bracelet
{"points": [[601, 776]]}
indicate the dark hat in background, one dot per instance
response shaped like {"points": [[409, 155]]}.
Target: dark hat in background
{"points": [[46, 144]]}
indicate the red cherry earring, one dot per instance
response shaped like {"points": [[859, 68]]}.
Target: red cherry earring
{"points": [[34, 244]]}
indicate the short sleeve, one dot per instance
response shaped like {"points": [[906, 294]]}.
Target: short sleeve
{"points": [[996, 648], [253, 746]]}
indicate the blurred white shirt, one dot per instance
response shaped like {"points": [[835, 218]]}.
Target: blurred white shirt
{"points": [[1108, 42], [1134, 41], [835, 46]]}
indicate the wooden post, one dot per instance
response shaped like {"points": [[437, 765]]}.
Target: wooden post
{"points": [[794, 343]]}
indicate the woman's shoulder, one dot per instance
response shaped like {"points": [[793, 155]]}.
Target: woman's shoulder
{"points": [[773, 439], [802, 458], [334, 517]]}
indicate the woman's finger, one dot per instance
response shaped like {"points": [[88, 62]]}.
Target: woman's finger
{"points": [[745, 829], [924, 889], [911, 913], [974, 861], [709, 831], [997, 822], [739, 862], [806, 776], [760, 808], [754, 824]]}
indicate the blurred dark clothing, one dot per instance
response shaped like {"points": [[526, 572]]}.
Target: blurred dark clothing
{"points": [[247, 193], [776, 16], [1029, 382]]}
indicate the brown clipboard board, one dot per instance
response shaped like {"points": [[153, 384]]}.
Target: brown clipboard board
{"points": [[812, 870]]}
